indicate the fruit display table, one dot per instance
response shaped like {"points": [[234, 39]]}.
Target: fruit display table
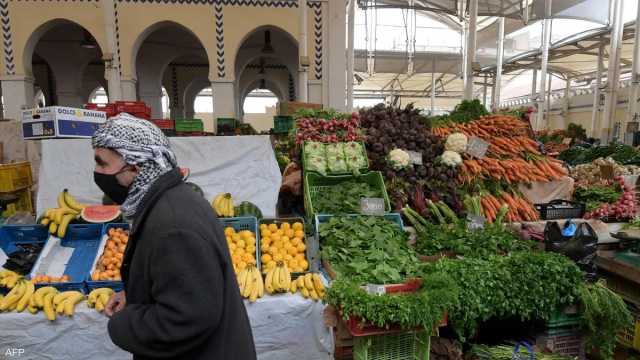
{"points": [[284, 327]]}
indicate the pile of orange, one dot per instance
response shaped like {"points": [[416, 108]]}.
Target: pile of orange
{"points": [[242, 247], [108, 266], [50, 279], [283, 243]]}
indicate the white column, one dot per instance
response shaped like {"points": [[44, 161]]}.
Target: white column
{"points": [[546, 38], [484, 91], [17, 93], [153, 99], [499, 58], [223, 100], [303, 74], [567, 103], [613, 71], [534, 82], [471, 48], [433, 85], [337, 71], [350, 53], [129, 92], [634, 94], [595, 114], [112, 66]]}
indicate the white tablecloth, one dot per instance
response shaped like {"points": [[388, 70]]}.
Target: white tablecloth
{"points": [[244, 166], [284, 327]]}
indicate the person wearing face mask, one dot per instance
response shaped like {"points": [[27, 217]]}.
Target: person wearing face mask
{"points": [[181, 298]]}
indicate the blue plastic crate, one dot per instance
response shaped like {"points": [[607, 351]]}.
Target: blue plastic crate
{"points": [[85, 240], [12, 236], [292, 220], [245, 223], [114, 285]]}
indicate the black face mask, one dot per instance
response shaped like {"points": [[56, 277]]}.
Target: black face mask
{"points": [[109, 184]]}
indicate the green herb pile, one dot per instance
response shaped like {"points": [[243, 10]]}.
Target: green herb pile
{"points": [[423, 308], [525, 285], [493, 239], [505, 352], [467, 110], [605, 313], [622, 154], [343, 198], [368, 249], [595, 195]]}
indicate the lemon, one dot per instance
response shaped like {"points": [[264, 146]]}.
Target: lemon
{"points": [[273, 227], [299, 234], [285, 226], [241, 244], [229, 231], [298, 226]]}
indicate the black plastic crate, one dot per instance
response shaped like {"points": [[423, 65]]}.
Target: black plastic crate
{"points": [[560, 209]]}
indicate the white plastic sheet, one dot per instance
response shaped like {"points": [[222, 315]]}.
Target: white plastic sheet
{"points": [[284, 327], [244, 166]]}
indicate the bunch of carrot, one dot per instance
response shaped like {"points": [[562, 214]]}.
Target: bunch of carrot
{"points": [[487, 127], [513, 147], [511, 170], [519, 208]]}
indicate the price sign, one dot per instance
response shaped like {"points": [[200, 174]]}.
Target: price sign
{"points": [[416, 157], [372, 206], [376, 289], [477, 147], [475, 222]]}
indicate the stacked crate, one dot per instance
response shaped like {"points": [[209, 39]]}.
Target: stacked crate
{"points": [[16, 181]]}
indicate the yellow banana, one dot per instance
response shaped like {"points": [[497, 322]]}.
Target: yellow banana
{"points": [[48, 307], [287, 278], [230, 209], [71, 201], [268, 283], [317, 282], [28, 293], [260, 283], [300, 281], [314, 295], [49, 213], [308, 281], [93, 296], [62, 228], [6, 273], [216, 204], [13, 297], [60, 307], [294, 287], [253, 296], [99, 305], [60, 214], [244, 280], [61, 201], [277, 278], [249, 285], [12, 281], [104, 298], [53, 227], [45, 221], [32, 309], [70, 303], [305, 293], [59, 298], [40, 294]]}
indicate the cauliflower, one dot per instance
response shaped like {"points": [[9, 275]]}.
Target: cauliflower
{"points": [[399, 159], [451, 158], [456, 142]]}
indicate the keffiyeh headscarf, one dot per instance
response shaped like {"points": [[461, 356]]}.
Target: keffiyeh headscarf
{"points": [[140, 143]]}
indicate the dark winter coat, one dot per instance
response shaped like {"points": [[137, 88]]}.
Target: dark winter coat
{"points": [[182, 295]]}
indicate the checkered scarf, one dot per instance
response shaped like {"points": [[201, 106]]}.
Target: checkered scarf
{"points": [[140, 143]]}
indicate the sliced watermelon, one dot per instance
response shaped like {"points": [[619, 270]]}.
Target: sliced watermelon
{"points": [[185, 173], [99, 214]]}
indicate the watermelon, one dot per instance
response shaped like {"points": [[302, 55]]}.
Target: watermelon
{"points": [[185, 172], [98, 214], [246, 208]]}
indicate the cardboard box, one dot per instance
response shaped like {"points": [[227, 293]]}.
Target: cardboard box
{"points": [[288, 108], [60, 122]]}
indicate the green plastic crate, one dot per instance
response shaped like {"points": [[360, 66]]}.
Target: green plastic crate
{"points": [[193, 125], [403, 346], [315, 184], [562, 319], [282, 124], [361, 170], [226, 122]]}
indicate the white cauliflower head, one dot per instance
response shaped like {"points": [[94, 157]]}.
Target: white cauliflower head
{"points": [[451, 158], [399, 159], [456, 142]]}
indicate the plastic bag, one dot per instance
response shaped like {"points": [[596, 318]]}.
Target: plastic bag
{"points": [[21, 218], [580, 247]]}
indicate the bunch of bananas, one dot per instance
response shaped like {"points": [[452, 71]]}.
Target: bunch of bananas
{"points": [[250, 282], [18, 298], [55, 303], [98, 298], [309, 285], [9, 279], [278, 279], [223, 205], [59, 218]]}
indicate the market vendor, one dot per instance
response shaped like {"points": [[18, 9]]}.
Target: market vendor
{"points": [[182, 299]]}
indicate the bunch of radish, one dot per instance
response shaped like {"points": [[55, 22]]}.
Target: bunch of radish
{"points": [[328, 131], [623, 209]]}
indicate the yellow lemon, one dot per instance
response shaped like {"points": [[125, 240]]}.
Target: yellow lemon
{"points": [[236, 237], [304, 264], [288, 257], [242, 265], [247, 257], [277, 257], [229, 231], [296, 241], [298, 226], [263, 227], [301, 247], [273, 227], [299, 256], [290, 233], [251, 249], [285, 239], [265, 258], [264, 248], [273, 250], [241, 244], [299, 234], [280, 232], [275, 237], [293, 251], [278, 244], [240, 251], [265, 233], [285, 226], [232, 247]]}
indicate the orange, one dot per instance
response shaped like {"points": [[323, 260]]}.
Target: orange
{"points": [[122, 248], [280, 232], [279, 244], [289, 233], [247, 257], [95, 276], [263, 227]]}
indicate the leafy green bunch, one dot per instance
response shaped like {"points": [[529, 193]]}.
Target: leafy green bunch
{"points": [[343, 198]]}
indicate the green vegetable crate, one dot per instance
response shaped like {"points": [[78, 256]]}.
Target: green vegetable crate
{"points": [[282, 124], [315, 184], [564, 318], [225, 122], [413, 345], [629, 337]]}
